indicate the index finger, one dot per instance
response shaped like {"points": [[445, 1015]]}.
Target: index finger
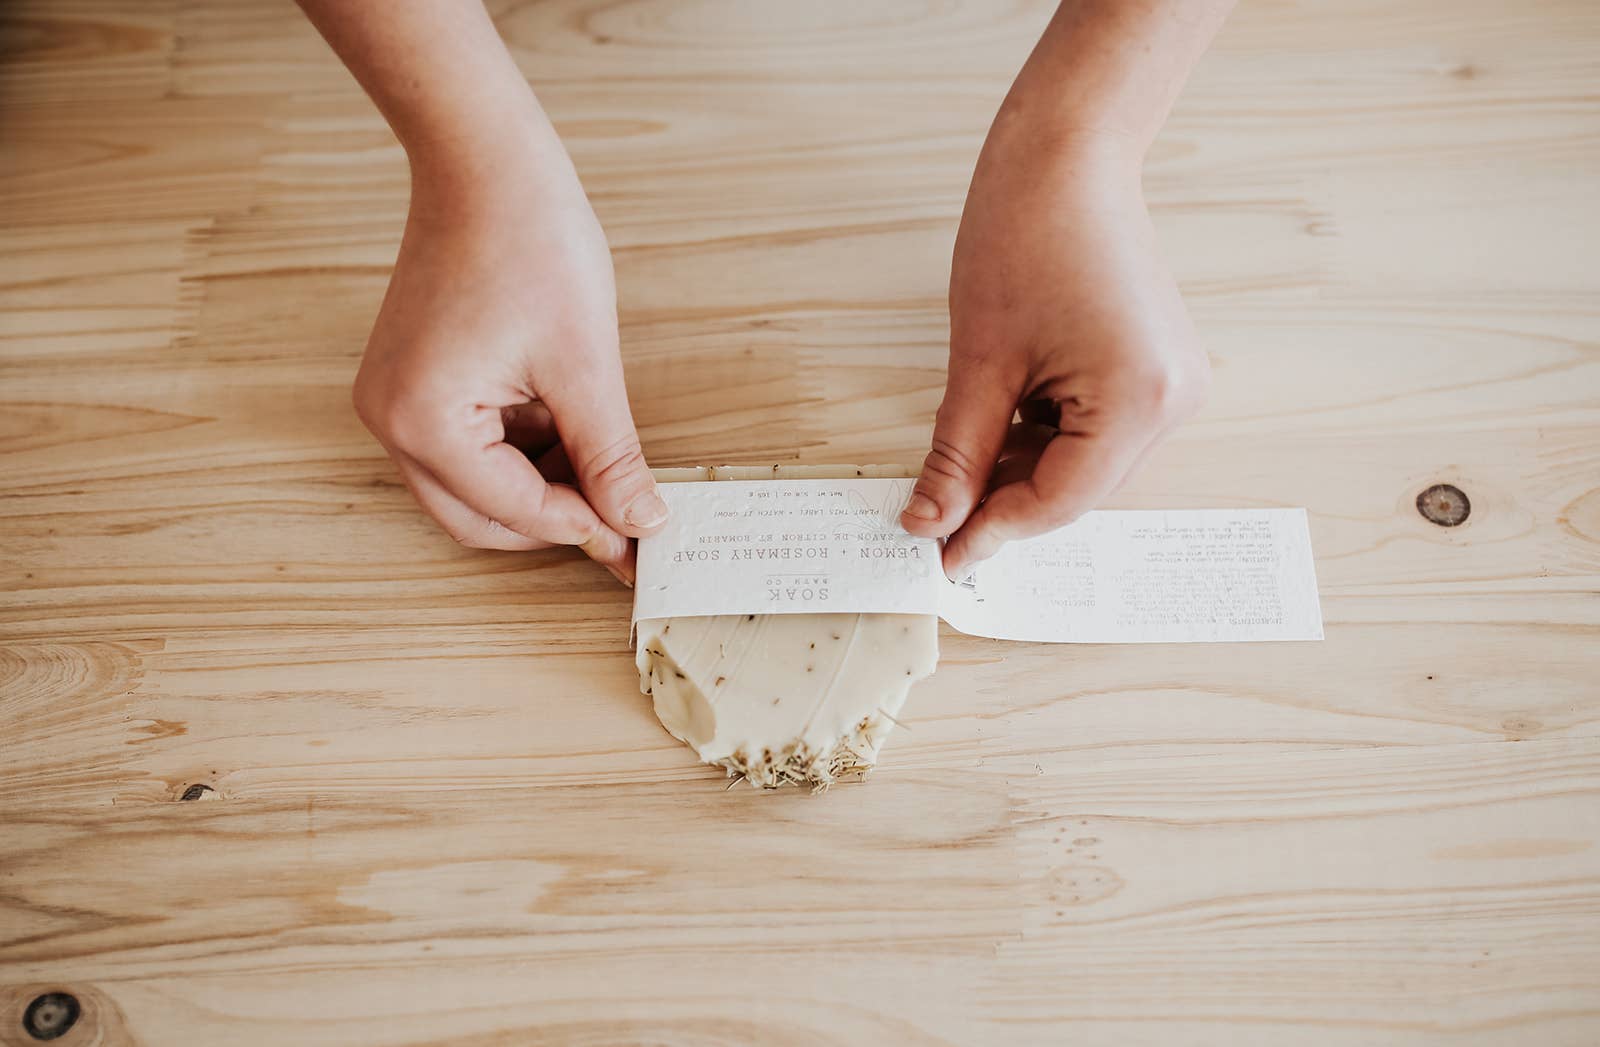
{"points": [[498, 481]]}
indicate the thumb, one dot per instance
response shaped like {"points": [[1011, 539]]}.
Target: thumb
{"points": [[968, 434], [596, 429], [1073, 473]]}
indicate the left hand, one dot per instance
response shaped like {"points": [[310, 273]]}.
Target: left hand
{"points": [[1060, 310], [492, 375]]}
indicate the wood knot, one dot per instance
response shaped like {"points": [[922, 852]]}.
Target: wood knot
{"points": [[1517, 728], [51, 1015], [196, 791], [1444, 504]]}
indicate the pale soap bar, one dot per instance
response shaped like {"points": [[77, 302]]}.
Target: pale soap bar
{"points": [[775, 698], [800, 698]]}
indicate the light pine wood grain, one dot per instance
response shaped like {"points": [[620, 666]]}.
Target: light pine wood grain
{"points": [[429, 805]]}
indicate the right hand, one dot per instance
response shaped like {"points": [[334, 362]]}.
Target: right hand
{"points": [[1062, 311], [492, 373]]}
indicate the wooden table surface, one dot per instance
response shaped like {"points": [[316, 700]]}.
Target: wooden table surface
{"points": [[281, 764]]}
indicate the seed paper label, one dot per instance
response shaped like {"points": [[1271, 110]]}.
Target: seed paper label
{"points": [[786, 547], [1148, 576], [1113, 576]]}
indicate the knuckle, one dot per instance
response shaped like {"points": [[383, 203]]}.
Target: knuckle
{"points": [[539, 518], [400, 419], [1157, 385], [947, 461], [1172, 389], [618, 461], [367, 404], [484, 534], [529, 516], [407, 421]]}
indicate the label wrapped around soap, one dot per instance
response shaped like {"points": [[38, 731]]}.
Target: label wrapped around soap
{"points": [[1113, 576]]}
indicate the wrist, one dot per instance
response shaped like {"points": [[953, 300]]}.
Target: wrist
{"points": [[1070, 147], [508, 154], [1110, 68]]}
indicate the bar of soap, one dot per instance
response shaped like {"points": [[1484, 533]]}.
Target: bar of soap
{"points": [[776, 698], [806, 699]]}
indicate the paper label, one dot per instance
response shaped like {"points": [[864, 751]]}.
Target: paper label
{"points": [[836, 546]]}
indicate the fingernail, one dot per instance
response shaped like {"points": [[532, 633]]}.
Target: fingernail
{"points": [[922, 507], [959, 570], [619, 576], [647, 510]]}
